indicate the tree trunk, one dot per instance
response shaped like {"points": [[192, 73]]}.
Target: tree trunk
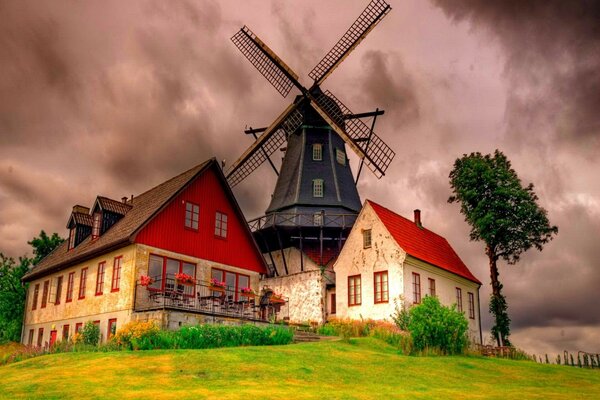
{"points": [[495, 288]]}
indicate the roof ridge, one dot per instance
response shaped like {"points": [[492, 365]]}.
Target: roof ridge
{"points": [[197, 166], [421, 242]]}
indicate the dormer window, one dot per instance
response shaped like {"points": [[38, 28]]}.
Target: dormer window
{"points": [[317, 149], [71, 238], [96, 225]]}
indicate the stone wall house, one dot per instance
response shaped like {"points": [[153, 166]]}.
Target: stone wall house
{"points": [[390, 260], [190, 224]]}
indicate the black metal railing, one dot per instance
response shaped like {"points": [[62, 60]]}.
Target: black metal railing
{"points": [[202, 298], [303, 219]]}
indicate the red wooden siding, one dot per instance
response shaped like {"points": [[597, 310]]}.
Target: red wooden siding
{"points": [[167, 230]]}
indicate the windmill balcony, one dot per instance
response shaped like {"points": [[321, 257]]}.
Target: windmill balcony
{"points": [[303, 220], [202, 298]]}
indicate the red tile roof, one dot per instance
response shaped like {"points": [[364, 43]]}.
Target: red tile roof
{"points": [[421, 243], [313, 251]]}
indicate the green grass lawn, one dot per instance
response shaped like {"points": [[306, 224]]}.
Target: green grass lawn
{"points": [[360, 369]]}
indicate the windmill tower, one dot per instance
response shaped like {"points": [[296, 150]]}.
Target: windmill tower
{"points": [[315, 201]]}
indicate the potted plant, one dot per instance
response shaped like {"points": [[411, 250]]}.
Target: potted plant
{"points": [[247, 291], [215, 283], [184, 279], [146, 280], [277, 298]]}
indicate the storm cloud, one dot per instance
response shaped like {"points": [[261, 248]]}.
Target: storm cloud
{"points": [[112, 98]]}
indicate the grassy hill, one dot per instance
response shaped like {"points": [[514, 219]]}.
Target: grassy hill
{"points": [[359, 369]]}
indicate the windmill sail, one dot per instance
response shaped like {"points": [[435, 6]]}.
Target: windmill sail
{"points": [[368, 19], [266, 144], [378, 155], [265, 60]]}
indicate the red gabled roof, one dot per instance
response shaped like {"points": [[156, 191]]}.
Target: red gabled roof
{"points": [[421, 243]]}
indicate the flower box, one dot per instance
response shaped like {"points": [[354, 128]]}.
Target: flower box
{"points": [[146, 280], [214, 282], [184, 279]]}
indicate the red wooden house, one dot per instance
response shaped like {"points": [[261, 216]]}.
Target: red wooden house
{"points": [[149, 257]]}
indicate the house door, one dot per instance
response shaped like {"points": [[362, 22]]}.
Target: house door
{"points": [[52, 338]]}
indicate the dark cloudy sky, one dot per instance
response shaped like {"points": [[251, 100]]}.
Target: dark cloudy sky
{"points": [[114, 97]]}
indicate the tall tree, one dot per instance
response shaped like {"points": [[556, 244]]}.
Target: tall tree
{"points": [[12, 297], [44, 245], [503, 214], [12, 291]]}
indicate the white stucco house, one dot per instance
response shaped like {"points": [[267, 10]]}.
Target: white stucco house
{"points": [[388, 257]]}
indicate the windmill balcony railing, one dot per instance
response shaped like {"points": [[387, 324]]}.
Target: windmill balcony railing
{"points": [[303, 219], [168, 293]]}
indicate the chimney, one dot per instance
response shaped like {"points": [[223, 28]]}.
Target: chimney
{"points": [[124, 199], [418, 218], [81, 209]]}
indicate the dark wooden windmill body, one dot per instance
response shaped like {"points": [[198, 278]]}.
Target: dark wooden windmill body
{"points": [[315, 201]]}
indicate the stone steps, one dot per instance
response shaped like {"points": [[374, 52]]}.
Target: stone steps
{"points": [[307, 337]]}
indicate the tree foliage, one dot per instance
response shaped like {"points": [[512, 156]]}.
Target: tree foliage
{"points": [[503, 214], [12, 291], [12, 297], [44, 245], [434, 326]]}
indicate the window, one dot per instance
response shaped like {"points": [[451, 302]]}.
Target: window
{"points": [[432, 287], [416, 282], [220, 224], [116, 274], [71, 238], [45, 294], [317, 187], [381, 287], [96, 225], [332, 303], [318, 219], [82, 281], [192, 212], [366, 238], [112, 328], [471, 305], [70, 284], [40, 341], [354, 292], [234, 282], [30, 339], [100, 278], [36, 292], [78, 327], [340, 157], [317, 152], [459, 299], [59, 281], [163, 270], [65, 332]]}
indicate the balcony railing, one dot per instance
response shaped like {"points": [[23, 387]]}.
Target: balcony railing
{"points": [[303, 220], [202, 298]]}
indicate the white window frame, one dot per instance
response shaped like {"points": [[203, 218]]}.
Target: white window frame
{"points": [[317, 152], [340, 156], [318, 188]]}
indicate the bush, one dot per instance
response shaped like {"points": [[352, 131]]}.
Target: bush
{"points": [[90, 334], [136, 334], [401, 315], [211, 336], [434, 327]]}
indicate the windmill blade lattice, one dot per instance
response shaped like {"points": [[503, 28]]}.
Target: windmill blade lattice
{"points": [[267, 143], [265, 60], [377, 154], [368, 19]]}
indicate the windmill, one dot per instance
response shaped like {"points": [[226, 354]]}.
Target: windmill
{"points": [[315, 201]]}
